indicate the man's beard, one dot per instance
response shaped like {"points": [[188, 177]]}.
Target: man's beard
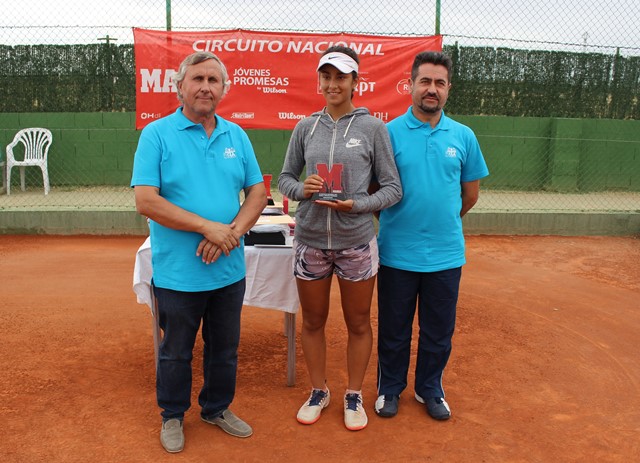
{"points": [[430, 109]]}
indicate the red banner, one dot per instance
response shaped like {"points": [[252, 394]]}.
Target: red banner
{"points": [[273, 76]]}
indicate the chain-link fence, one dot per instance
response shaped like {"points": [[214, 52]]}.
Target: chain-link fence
{"points": [[524, 72]]}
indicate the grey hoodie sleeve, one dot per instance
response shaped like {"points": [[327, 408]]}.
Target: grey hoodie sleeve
{"points": [[386, 174], [289, 183]]}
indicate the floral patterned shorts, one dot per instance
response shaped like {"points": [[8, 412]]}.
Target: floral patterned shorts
{"points": [[353, 264]]}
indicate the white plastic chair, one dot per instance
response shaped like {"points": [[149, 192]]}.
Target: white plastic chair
{"points": [[3, 173], [36, 141]]}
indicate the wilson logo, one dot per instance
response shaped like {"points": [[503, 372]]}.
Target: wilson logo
{"points": [[289, 116]]}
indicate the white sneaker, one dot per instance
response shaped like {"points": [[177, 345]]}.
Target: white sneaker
{"points": [[355, 418], [309, 413]]}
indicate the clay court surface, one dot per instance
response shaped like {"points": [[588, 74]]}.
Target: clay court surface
{"points": [[545, 365]]}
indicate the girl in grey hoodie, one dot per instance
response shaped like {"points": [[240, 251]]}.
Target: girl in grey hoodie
{"points": [[342, 150]]}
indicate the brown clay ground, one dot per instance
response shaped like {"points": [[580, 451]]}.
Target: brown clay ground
{"points": [[545, 366]]}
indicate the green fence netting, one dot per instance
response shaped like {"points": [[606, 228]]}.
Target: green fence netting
{"points": [[551, 88], [488, 81]]}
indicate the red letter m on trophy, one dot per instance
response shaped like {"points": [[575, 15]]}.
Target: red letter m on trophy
{"points": [[332, 178]]}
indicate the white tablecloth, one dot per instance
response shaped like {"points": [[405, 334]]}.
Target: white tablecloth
{"points": [[270, 280], [270, 285]]}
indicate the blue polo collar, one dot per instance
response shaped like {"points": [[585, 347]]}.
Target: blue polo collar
{"points": [[414, 123], [183, 122]]}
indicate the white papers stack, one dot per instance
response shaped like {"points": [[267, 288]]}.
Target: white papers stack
{"points": [[271, 228], [277, 208]]}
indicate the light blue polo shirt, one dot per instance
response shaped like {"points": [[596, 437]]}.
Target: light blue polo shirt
{"points": [[202, 175], [423, 232]]}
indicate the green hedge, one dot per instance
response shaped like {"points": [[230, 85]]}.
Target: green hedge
{"points": [[487, 81]]}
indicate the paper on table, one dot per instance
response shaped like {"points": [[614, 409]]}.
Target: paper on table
{"points": [[275, 219], [270, 228], [276, 208]]}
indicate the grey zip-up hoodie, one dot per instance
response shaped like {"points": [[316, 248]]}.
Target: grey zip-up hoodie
{"points": [[361, 143]]}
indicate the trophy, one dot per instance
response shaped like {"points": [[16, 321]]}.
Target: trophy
{"points": [[267, 184], [332, 183]]}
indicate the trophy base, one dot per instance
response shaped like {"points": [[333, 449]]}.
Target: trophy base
{"points": [[328, 196]]}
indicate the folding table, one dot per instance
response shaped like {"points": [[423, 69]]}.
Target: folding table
{"points": [[270, 285]]}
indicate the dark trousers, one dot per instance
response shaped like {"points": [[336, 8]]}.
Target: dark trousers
{"points": [[436, 294], [180, 314]]}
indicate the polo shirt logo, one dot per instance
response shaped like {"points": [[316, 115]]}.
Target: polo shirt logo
{"points": [[229, 153], [451, 152]]}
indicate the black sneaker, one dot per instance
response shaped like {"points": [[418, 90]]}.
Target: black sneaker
{"points": [[387, 405], [437, 407]]}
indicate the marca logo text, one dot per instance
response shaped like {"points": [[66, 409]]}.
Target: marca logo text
{"points": [[157, 80]]}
